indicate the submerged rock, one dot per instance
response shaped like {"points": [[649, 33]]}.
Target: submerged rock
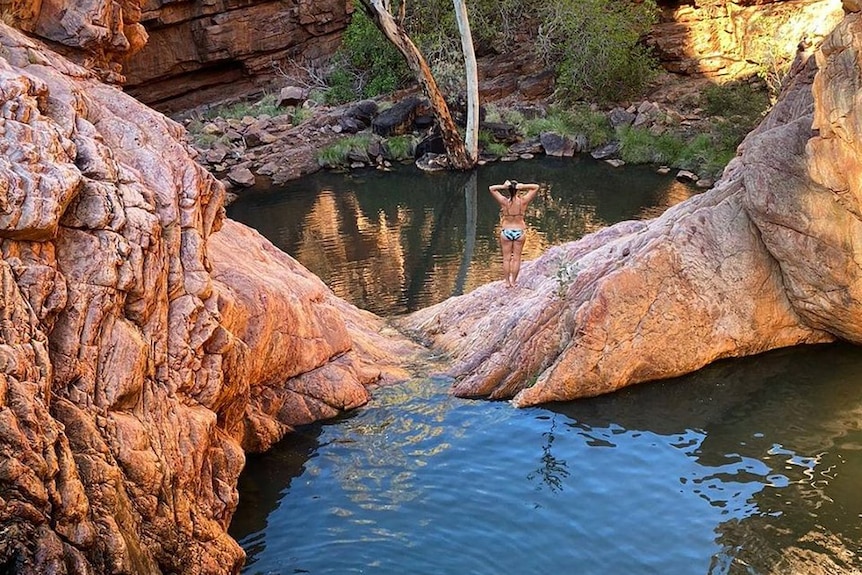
{"points": [[767, 258]]}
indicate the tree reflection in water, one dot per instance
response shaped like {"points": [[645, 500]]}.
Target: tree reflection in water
{"points": [[553, 470], [395, 242]]}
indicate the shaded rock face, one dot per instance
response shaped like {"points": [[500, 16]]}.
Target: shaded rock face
{"points": [[200, 52], [768, 258], [145, 341], [726, 40]]}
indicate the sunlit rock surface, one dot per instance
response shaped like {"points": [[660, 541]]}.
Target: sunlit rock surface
{"points": [[738, 38], [95, 33], [768, 258], [142, 349]]}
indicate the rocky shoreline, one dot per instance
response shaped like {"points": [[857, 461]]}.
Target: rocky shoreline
{"points": [[272, 148]]}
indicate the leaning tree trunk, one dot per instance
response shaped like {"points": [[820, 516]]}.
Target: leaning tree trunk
{"points": [[378, 11], [472, 76]]}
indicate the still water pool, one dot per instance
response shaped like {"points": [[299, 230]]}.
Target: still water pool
{"points": [[395, 242], [747, 467]]}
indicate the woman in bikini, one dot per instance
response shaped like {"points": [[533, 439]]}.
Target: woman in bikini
{"points": [[512, 209]]}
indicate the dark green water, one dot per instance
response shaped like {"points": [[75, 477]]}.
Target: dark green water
{"points": [[396, 242], [746, 467]]}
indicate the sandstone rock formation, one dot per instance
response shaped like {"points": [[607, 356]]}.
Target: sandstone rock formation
{"points": [[201, 52], [95, 33], [768, 258], [145, 341], [726, 40]]}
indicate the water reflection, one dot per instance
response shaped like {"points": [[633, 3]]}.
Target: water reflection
{"points": [[777, 443], [470, 201], [749, 466], [553, 470], [395, 242]]}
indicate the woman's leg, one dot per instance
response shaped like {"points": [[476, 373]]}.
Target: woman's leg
{"points": [[517, 248], [506, 246]]}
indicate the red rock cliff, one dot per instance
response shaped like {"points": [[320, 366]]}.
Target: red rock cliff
{"points": [[145, 341], [207, 51]]}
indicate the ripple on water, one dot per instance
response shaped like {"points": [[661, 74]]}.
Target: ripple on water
{"points": [[696, 476]]}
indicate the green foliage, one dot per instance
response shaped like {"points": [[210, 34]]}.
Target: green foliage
{"points": [[737, 109], [341, 86], [238, 110], [637, 146], [773, 48], [490, 145], [735, 99], [578, 120], [668, 147], [366, 65], [594, 46], [400, 147], [299, 115], [697, 154], [705, 154], [338, 153], [204, 141]]}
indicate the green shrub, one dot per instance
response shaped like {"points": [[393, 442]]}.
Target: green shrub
{"points": [[594, 45], [668, 147], [697, 154], [366, 64], [401, 147], [735, 99], [489, 144], [338, 153], [579, 120], [637, 146], [341, 87]]}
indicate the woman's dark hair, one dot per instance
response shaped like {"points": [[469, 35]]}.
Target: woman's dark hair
{"points": [[513, 188]]}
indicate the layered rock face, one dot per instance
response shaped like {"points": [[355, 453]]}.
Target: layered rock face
{"points": [[726, 40], [145, 341], [768, 258], [201, 52], [94, 33]]}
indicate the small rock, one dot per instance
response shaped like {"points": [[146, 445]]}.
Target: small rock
{"points": [[215, 155], [663, 170], [241, 176], [704, 183], [606, 152], [615, 162], [686, 176], [291, 96], [556, 145], [255, 136], [619, 118]]}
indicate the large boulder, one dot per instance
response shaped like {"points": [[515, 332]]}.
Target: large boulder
{"points": [[145, 340], [768, 258]]}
